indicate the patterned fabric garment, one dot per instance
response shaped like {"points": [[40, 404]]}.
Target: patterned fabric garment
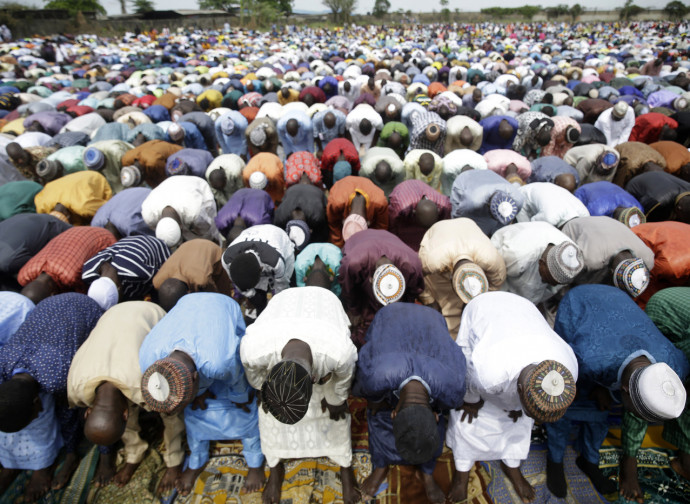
{"points": [[299, 163], [64, 256], [43, 347], [136, 258], [418, 139]]}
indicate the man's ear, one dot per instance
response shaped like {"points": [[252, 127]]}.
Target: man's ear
{"points": [[625, 388], [313, 378], [125, 415], [87, 413], [393, 413], [436, 416], [331, 277]]}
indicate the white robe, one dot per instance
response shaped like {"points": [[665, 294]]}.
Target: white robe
{"points": [[500, 334], [316, 316]]}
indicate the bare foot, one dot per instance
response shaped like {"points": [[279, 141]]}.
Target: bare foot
{"points": [[39, 484], [521, 485], [186, 482], [169, 480], [125, 474], [7, 476], [372, 483], [274, 484], [105, 470], [433, 491], [62, 477], [255, 479], [458, 488], [351, 492], [629, 485], [682, 465]]}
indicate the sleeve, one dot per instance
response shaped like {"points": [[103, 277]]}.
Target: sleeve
{"points": [[255, 363], [337, 390]]}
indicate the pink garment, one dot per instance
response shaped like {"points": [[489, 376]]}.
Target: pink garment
{"points": [[497, 161], [354, 223], [558, 146]]}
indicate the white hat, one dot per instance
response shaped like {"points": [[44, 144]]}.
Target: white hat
{"points": [[258, 180], [620, 109], [168, 230], [104, 292], [657, 392]]}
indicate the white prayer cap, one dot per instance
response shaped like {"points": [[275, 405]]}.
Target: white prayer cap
{"points": [[168, 230], [657, 392], [104, 292], [258, 180]]}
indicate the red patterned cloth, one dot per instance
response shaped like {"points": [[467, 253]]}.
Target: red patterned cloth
{"points": [[250, 100], [302, 162], [64, 256]]}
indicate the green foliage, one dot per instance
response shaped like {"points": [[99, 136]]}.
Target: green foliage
{"points": [[676, 10], [14, 6], [74, 6], [141, 6], [526, 11], [445, 14], [225, 5], [629, 10], [576, 10], [381, 8], [341, 9], [558, 10]]}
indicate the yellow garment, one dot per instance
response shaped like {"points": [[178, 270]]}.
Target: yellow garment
{"points": [[443, 245], [213, 96], [293, 96], [111, 354], [16, 127], [82, 193]]}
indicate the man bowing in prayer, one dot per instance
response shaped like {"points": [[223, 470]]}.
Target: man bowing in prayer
{"points": [[518, 371], [298, 353], [105, 378], [410, 372], [191, 364]]}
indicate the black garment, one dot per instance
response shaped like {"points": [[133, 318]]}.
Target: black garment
{"points": [[312, 201], [657, 192], [22, 236]]}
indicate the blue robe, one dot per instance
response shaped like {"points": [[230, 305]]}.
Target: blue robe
{"points": [[606, 330], [407, 340], [212, 340]]}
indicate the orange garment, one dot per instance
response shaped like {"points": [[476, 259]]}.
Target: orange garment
{"points": [[340, 198], [669, 241], [151, 157], [167, 100], [270, 165], [674, 153]]}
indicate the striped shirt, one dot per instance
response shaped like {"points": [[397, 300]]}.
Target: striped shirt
{"points": [[136, 258]]}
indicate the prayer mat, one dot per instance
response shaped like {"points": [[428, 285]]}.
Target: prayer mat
{"points": [[141, 489], [659, 483], [580, 489], [74, 493]]}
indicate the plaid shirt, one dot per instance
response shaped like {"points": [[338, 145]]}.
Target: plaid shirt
{"points": [[64, 256]]}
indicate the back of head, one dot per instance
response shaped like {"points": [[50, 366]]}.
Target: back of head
{"points": [[383, 172], [546, 390], [16, 404], [426, 213], [426, 163], [170, 293], [286, 392], [245, 271], [416, 434]]}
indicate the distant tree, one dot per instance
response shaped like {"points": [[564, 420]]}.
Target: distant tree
{"points": [[381, 8], [529, 11], [341, 9], [557, 11], [225, 5], [629, 10], [575, 11], [141, 6], [74, 6], [676, 10]]}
